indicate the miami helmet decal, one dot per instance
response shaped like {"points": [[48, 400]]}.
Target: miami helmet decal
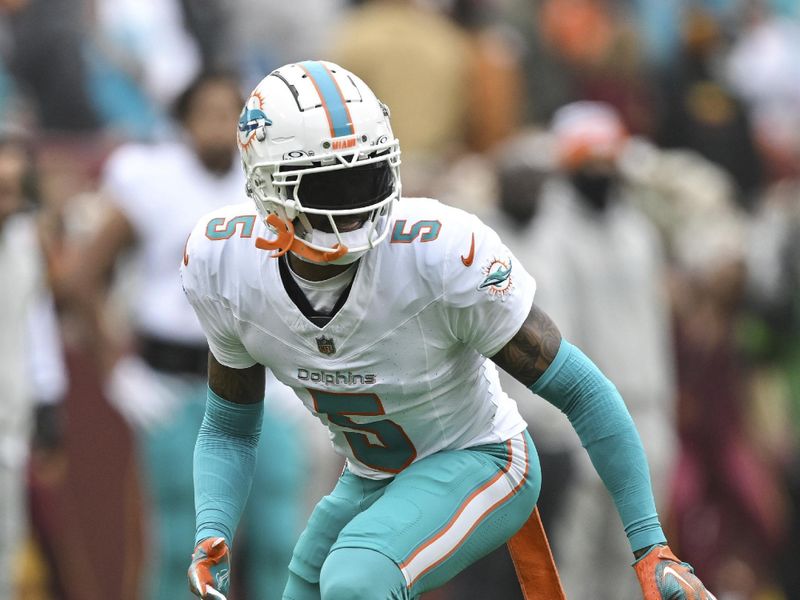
{"points": [[252, 119]]}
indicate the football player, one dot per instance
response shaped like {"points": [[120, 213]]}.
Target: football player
{"points": [[387, 317]]}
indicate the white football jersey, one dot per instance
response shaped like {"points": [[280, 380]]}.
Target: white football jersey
{"points": [[400, 371]]}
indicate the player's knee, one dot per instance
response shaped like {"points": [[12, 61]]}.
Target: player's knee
{"points": [[361, 574]]}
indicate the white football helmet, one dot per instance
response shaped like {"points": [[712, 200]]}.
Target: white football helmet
{"points": [[321, 162]]}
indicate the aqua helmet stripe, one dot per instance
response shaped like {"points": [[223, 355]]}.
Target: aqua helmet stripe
{"points": [[331, 96]]}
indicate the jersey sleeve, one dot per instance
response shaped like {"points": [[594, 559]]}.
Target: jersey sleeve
{"points": [[488, 294], [200, 275]]}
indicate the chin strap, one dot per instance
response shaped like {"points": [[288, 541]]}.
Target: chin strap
{"points": [[286, 241]]}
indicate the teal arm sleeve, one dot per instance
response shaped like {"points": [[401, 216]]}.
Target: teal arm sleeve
{"points": [[224, 461], [596, 410]]}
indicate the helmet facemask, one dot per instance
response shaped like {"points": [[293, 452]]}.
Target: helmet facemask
{"points": [[337, 207]]}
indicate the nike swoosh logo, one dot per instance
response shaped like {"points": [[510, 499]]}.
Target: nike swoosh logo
{"points": [[467, 260], [674, 573]]}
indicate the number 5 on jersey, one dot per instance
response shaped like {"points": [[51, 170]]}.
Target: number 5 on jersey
{"points": [[394, 452]]}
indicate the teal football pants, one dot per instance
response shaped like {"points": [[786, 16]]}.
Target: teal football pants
{"points": [[268, 530], [398, 538]]}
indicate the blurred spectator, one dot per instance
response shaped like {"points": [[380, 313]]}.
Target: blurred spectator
{"points": [[156, 194], [591, 50], [728, 512], [455, 89], [605, 288], [495, 76], [582, 30], [271, 33], [141, 57], [700, 113], [32, 373], [424, 79], [764, 69], [47, 61], [211, 23], [679, 190], [548, 82], [659, 27], [773, 261]]}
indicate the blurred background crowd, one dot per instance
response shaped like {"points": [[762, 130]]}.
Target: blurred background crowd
{"points": [[641, 157]]}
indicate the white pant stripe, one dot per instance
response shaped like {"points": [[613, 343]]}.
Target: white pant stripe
{"points": [[494, 492]]}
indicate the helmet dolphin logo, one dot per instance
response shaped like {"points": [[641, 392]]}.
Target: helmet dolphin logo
{"points": [[253, 118]]}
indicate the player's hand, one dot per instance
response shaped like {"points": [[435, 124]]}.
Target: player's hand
{"points": [[664, 577], [210, 568]]}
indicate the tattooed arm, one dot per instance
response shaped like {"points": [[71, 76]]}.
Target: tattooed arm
{"points": [[560, 373], [241, 386], [532, 349]]}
